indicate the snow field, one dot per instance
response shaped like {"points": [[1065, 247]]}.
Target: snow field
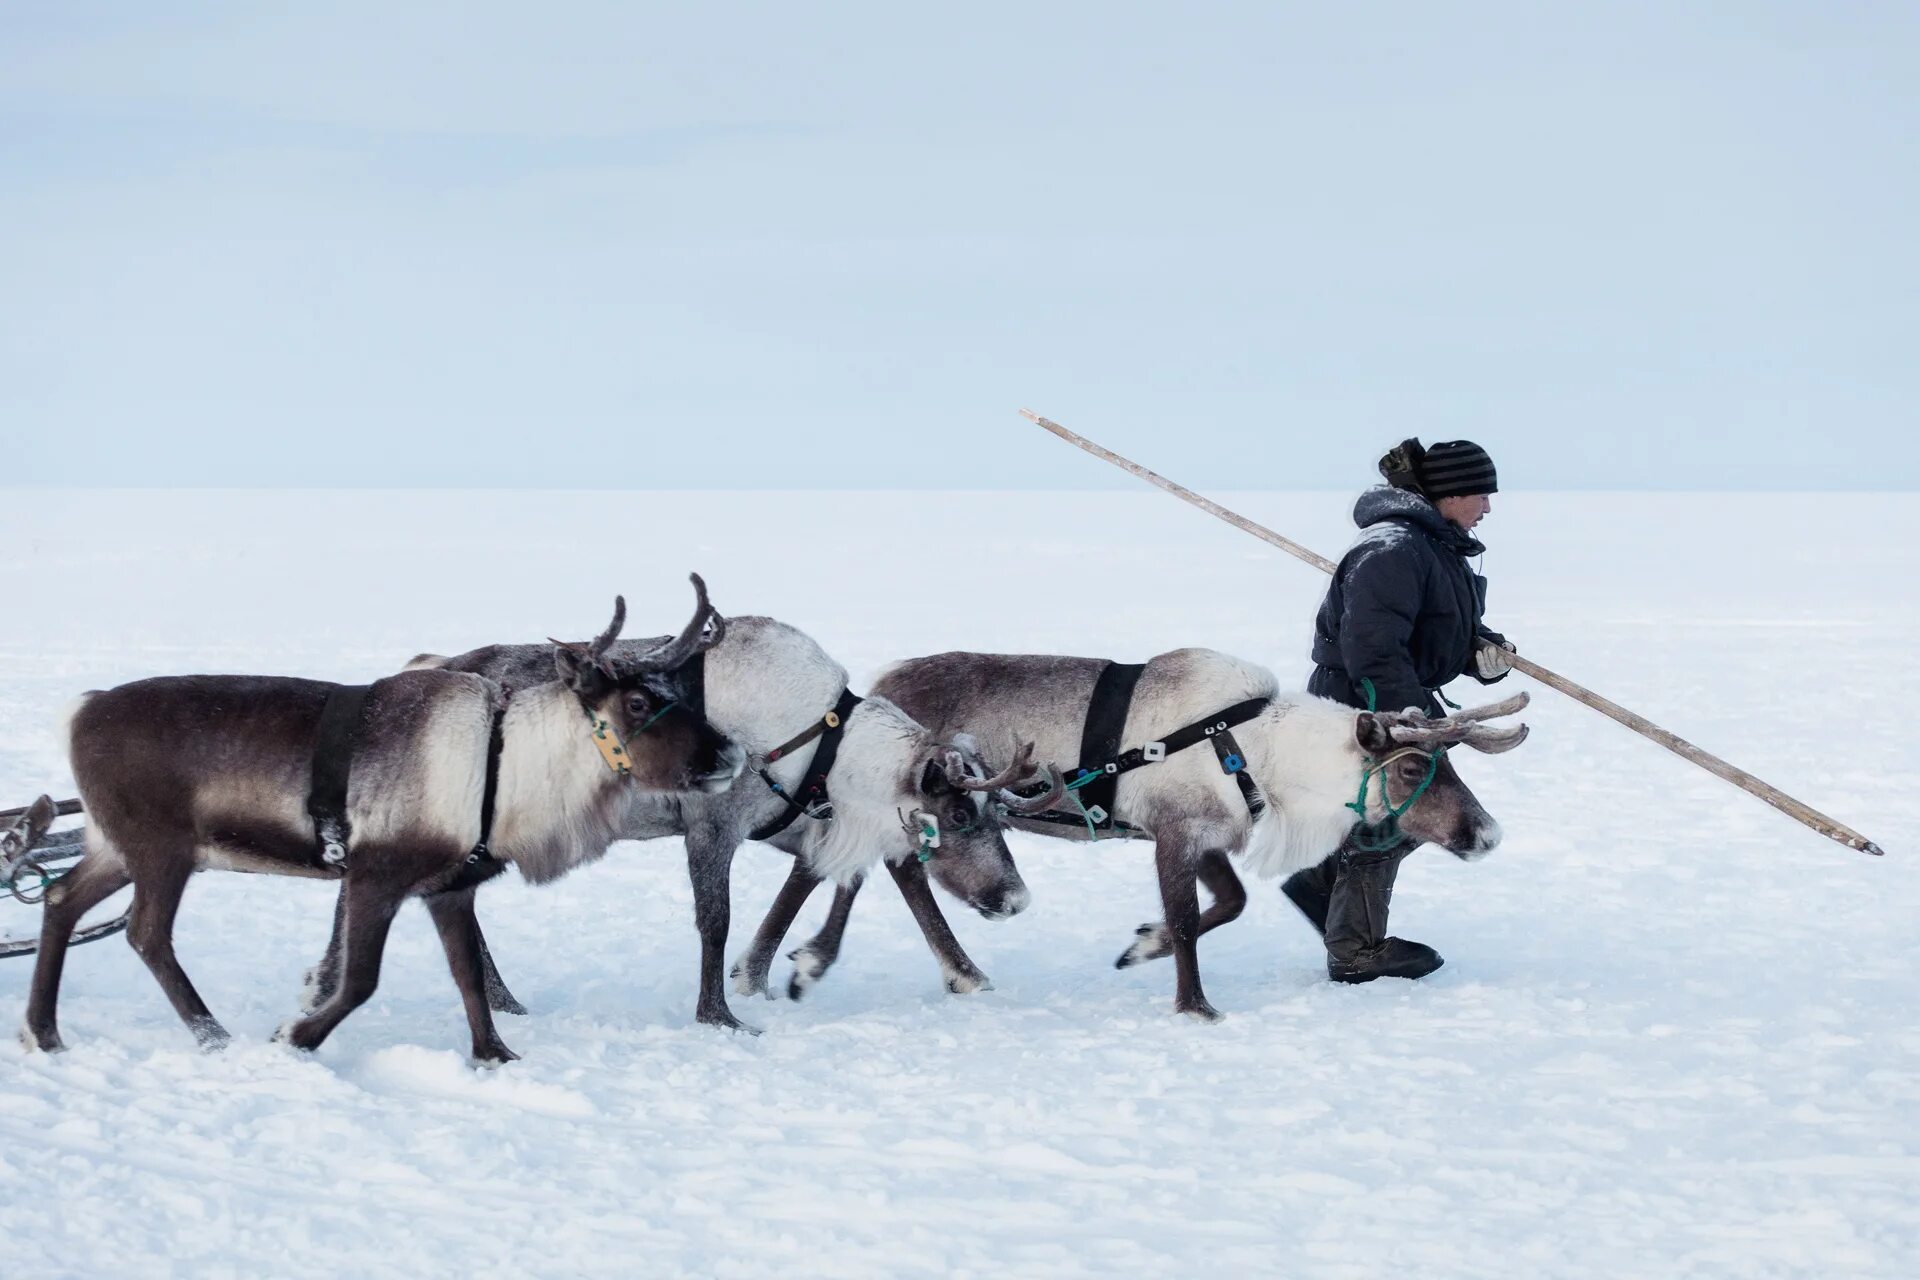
{"points": [[1674, 1035]]}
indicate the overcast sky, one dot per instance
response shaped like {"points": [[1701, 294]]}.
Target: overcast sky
{"points": [[626, 245]]}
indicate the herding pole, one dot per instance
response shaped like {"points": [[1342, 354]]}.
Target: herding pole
{"points": [[1639, 724]]}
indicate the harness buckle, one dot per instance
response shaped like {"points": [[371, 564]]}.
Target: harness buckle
{"points": [[333, 842], [1096, 815], [1111, 767], [1154, 752], [1232, 763]]}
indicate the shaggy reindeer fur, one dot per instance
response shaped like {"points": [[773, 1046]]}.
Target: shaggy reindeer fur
{"points": [[1305, 753], [765, 682], [186, 773]]}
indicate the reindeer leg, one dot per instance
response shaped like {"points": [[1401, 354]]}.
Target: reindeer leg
{"points": [[466, 956], [962, 975], [321, 981], [812, 958], [1229, 900], [499, 998], [1180, 897], [750, 970], [324, 978], [370, 909], [156, 900], [710, 866], [72, 896]]}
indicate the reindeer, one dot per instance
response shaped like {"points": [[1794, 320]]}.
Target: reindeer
{"points": [[1305, 755], [181, 774], [895, 788]]}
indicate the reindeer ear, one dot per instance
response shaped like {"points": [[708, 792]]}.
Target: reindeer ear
{"points": [[1371, 732], [578, 669]]}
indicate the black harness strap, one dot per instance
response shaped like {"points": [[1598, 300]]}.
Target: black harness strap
{"points": [[810, 797], [495, 735], [481, 865], [1216, 729], [1100, 736], [333, 748], [696, 695], [1235, 763]]}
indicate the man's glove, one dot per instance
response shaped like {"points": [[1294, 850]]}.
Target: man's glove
{"points": [[1490, 660]]}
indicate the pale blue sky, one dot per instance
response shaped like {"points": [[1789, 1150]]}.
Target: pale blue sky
{"points": [[628, 245]]}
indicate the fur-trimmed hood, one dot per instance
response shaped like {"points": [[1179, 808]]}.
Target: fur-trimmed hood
{"points": [[1384, 502]]}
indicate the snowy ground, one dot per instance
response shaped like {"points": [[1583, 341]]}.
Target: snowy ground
{"points": [[1675, 1033]]}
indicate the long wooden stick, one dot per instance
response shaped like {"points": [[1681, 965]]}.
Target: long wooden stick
{"points": [[1639, 724]]}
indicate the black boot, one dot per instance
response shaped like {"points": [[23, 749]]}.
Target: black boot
{"points": [[1358, 948], [1311, 889]]}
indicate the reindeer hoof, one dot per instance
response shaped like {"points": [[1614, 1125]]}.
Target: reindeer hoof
{"points": [[209, 1035], [750, 982], [1150, 943], [297, 1034], [724, 1019], [965, 984], [809, 966], [493, 1055], [1201, 1012], [46, 1040]]}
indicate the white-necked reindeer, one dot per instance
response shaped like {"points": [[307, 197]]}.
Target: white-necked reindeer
{"points": [[1307, 755], [765, 683], [181, 774]]}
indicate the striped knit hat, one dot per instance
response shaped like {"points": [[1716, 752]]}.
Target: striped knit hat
{"points": [[1449, 469]]}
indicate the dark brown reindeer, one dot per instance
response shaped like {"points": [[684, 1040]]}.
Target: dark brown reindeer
{"points": [[1306, 756], [763, 684], [181, 774]]}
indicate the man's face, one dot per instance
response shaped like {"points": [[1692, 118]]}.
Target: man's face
{"points": [[1466, 511]]}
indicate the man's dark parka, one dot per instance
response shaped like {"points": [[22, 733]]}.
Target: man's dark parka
{"points": [[1404, 609]]}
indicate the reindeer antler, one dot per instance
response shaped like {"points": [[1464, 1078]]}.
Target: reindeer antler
{"points": [[1464, 728], [1494, 741], [1021, 770], [604, 641], [1492, 710], [1027, 806], [703, 631]]}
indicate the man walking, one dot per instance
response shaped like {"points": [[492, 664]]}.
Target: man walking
{"points": [[1402, 618]]}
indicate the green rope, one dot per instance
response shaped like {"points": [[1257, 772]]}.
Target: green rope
{"points": [[1086, 816], [652, 721], [1378, 837]]}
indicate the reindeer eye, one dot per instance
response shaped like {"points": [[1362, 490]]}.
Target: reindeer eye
{"points": [[638, 705]]}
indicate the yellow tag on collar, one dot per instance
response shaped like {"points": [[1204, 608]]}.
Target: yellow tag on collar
{"points": [[611, 748]]}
